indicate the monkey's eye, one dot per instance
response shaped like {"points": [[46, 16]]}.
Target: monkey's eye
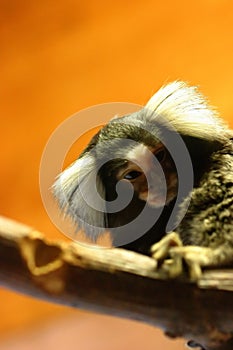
{"points": [[132, 175], [160, 155]]}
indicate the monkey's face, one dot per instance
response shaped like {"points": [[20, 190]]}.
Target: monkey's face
{"points": [[148, 183]]}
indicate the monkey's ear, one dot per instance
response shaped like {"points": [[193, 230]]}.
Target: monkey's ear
{"points": [[186, 110], [81, 196]]}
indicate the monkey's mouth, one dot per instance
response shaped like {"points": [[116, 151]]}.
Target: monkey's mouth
{"points": [[154, 200], [158, 200]]}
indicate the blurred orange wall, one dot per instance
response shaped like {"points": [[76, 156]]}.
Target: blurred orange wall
{"points": [[58, 57]]}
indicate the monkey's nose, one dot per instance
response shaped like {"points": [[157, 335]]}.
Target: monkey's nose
{"points": [[157, 183]]}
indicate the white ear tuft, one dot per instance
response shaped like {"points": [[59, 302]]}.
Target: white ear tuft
{"points": [[71, 189], [186, 110]]}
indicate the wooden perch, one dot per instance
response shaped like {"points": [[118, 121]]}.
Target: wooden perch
{"points": [[118, 282]]}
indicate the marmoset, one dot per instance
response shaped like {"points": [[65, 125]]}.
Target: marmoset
{"points": [[167, 167]]}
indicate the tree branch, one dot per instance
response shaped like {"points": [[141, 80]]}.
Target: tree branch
{"points": [[117, 282]]}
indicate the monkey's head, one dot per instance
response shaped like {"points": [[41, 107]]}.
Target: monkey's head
{"points": [[124, 168], [132, 162]]}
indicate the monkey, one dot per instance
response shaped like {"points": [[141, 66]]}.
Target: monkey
{"points": [[160, 180]]}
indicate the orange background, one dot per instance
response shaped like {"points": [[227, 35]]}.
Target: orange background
{"points": [[58, 57]]}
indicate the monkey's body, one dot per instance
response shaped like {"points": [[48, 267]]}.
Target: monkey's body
{"points": [[206, 222], [210, 212]]}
